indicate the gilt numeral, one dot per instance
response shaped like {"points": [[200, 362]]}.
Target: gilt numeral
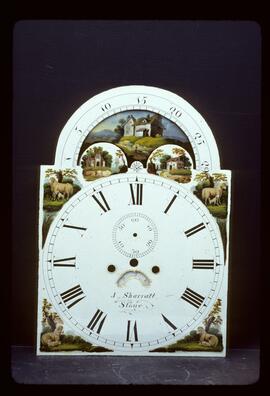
{"points": [[97, 321], [102, 203], [203, 264], [169, 322], [194, 229], [192, 297], [65, 262], [136, 195], [71, 294], [132, 332], [170, 204]]}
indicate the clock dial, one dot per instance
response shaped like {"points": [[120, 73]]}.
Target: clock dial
{"points": [[133, 262], [151, 101]]}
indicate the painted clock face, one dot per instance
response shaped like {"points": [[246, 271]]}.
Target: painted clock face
{"points": [[97, 120], [133, 262]]}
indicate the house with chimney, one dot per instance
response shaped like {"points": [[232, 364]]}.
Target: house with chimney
{"points": [[142, 127], [175, 163]]}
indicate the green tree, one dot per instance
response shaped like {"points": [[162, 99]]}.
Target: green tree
{"points": [[178, 151], [213, 316], [97, 149], [187, 163], [61, 173], [156, 125], [205, 179], [156, 155], [163, 160], [120, 155], [46, 308], [219, 177], [107, 158], [120, 127]]}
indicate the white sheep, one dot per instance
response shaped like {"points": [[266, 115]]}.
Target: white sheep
{"points": [[64, 188], [215, 200], [210, 193], [60, 196]]}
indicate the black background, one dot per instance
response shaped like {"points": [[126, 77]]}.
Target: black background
{"points": [[214, 65]]}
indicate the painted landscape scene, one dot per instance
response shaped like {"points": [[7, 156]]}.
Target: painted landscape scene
{"points": [[59, 186], [54, 339], [102, 160], [137, 133], [212, 190], [171, 161], [207, 336]]}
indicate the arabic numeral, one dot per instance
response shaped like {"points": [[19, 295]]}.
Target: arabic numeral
{"points": [[205, 166], [198, 138], [134, 253], [106, 107], [142, 99], [78, 130], [176, 112]]}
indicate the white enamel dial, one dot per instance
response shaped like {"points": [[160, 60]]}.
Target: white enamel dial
{"points": [[128, 98], [133, 262]]}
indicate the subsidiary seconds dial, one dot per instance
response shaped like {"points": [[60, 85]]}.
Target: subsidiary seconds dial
{"points": [[133, 262], [135, 234]]}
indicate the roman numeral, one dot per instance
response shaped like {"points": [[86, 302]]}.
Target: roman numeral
{"points": [[195, 229], [102, 203], [75, 227], [203, 264], [136, 195], [192, 297], [170, 204], [97, 320], [65, 262], [169, 322], [70, 294], [132, 332]]}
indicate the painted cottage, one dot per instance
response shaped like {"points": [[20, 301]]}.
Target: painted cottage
{"points": [[175, 163], [96, 161], [141, 127]]}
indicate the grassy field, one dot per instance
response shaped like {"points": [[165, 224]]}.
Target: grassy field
{"points": [[131, 139], [95, 168], [148, 142], [53, 205], [180, 172], [151, 142], [91, 178], [218, 211], [68, 347], [189, 347]]}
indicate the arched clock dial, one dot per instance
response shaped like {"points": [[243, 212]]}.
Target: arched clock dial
{"points": [[146, 99], [133, 262]]}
